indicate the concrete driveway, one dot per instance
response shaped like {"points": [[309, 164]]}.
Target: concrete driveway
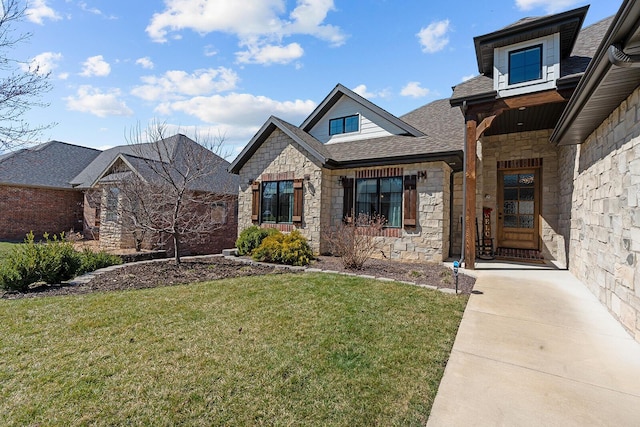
{"points": [[536, 348]]}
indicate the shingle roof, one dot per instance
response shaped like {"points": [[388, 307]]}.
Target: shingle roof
{"points": [[141, 158], [440, 122], [53, 164]]}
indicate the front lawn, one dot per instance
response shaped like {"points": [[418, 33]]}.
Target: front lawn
{"points": [[5, 249], [292, 349]]}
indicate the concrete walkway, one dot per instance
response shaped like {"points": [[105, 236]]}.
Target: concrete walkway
{"points": [[536, 348]]}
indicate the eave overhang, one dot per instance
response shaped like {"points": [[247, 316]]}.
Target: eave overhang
{"points": [[603, 86]]}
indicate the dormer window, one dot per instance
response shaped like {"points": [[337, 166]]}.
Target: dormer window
{"points": [[344, 125], [525, 64], [528, 66]]}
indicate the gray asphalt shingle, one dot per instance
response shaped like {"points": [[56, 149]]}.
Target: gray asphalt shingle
{"points": [[53, 164]]}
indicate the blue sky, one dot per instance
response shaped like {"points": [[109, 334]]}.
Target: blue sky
{"points": [[224, 66]]}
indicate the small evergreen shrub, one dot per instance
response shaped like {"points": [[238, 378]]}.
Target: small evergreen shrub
{"points": [[52, 261], [291, 249], [251, 237], [92, 261]]}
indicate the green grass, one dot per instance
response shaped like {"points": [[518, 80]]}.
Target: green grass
{"points": [[306, 349], [5, 249]]}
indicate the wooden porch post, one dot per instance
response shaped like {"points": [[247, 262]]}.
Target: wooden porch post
{"points": [[470, 191]]}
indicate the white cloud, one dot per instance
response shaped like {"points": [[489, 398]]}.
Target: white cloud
{"points": [[239, 109], [259, 25], [469, 77], [63, 76], [95, 66], [145, 63], [209, 50], [102, 104], [94, 10], [270, 54], [38, 11], [363, 92], [175, 83], [414, 90], [43, 63], [550, 6], [434, 37]]}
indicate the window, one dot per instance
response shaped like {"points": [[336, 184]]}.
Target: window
{"points": [[111, 208], [344, 125], [219, 212], [277, 201], [380, 196], [525, 64]]}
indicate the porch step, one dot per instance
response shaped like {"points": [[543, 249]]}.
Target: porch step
{"points": [[519, 254]]}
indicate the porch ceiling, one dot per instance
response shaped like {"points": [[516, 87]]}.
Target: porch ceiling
{"points": [[529, 119]]}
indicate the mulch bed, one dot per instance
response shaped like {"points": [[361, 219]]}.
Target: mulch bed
{"points": [[165, 273]]}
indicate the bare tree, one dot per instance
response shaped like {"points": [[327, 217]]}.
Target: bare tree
{"points": [[355, 241], [20, 90], [175, 187]]}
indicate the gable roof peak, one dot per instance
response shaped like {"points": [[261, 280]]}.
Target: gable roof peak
{"points": [[338, 92]]}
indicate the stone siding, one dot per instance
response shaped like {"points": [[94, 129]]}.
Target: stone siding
{"points": [[604, 213], [41, 210], [430, 240], [525, 145], [457, 215], [279, 154]]}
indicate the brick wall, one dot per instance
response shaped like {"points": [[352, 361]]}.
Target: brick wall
{"points": [[601, 208], [24, 209]]}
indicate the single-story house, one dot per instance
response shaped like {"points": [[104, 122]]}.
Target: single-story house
{"points": [[104, 180], [535, 158], [36, 192], [58, 187]]}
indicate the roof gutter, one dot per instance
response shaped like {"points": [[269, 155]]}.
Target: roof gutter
{"points": [[620, 59]]}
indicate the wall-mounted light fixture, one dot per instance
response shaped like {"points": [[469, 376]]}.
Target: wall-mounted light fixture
{"points": [[341, 179], [250, 182], [422, 174], [307, 177]]}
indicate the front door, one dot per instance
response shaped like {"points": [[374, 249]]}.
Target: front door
{"points": [[518, 208]]}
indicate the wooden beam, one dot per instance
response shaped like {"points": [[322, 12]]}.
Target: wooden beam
{"points": [[485, 124], [499, 105], [470, 192]]}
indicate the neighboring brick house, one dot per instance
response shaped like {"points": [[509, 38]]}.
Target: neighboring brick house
{"points": [[550, 132], [104, 178], [56, 187], [35, 190]]}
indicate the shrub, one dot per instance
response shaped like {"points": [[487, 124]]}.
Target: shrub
{"points": [[92, 261], [356, 241], [53, 260], [292, 249], [251, 237]]}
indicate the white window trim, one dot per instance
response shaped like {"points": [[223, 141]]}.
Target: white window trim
{"points": [[501, 56]]}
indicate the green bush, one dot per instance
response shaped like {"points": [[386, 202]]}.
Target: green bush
{"points": [[292, 249], [52, 261], [92, 261], [250, 238]]}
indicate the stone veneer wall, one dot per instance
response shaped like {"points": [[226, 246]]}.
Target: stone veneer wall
{"points": [[430, 240], [41, 210], [280, 154], [525, 145], [601, 190]]}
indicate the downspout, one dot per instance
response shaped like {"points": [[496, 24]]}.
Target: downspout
{"points": [[464, 179]]}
